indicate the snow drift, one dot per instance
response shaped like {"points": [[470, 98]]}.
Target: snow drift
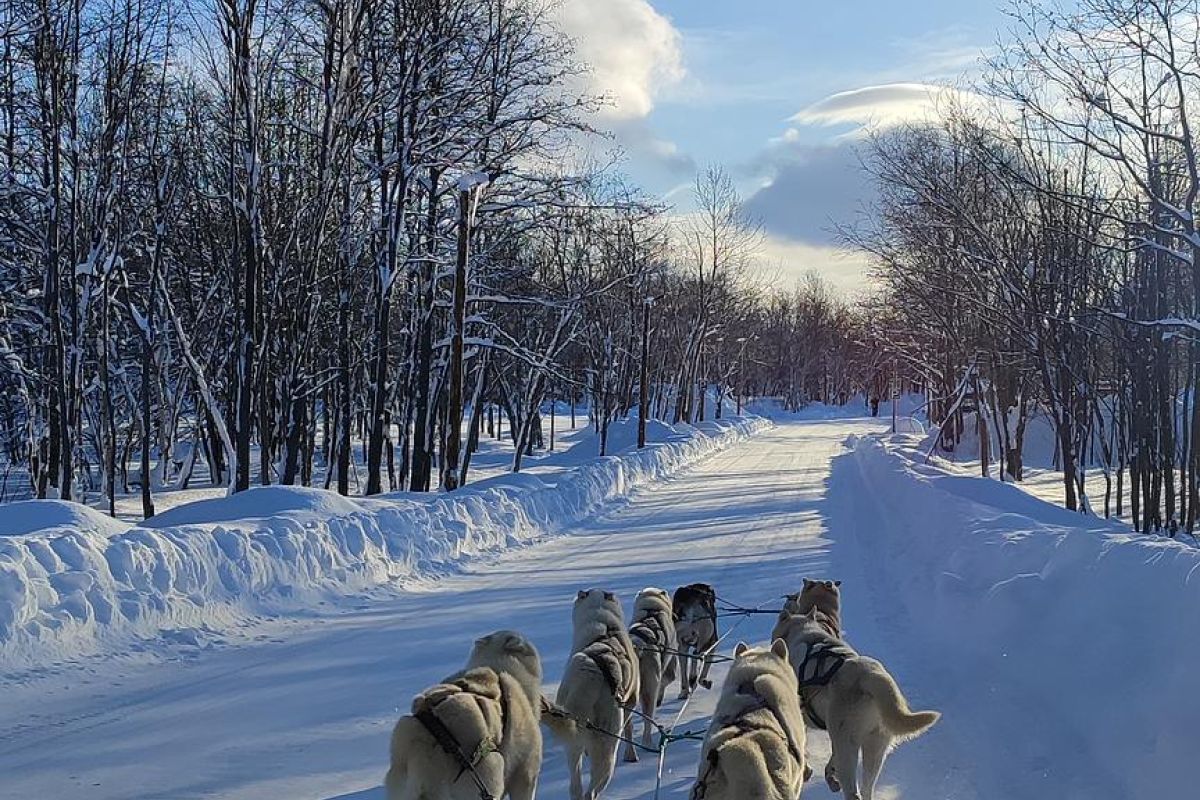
{"points": [[206, 564], [1092, 629], [46, 516]]}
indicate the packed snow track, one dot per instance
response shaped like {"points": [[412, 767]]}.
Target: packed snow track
{"points": [[305, 709]]}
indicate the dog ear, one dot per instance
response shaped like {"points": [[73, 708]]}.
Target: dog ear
{"points": [[581, 594], [807, 583], [481, 641], [779, 648], [514, 644], [609, 596], [742, 647]]}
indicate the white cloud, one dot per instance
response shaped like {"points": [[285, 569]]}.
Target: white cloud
{"points": [[885, 105], [812, 183], [784, 262], [634, 52]]}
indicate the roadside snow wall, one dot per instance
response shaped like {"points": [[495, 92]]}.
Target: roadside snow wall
{"points": [[208, 564], [1070, 640]]}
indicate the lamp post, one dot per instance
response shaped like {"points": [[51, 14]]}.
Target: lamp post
{"points": [[644, 378], [468, 191]]}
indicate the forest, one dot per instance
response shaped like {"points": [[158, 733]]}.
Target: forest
{"points": [[1038, 253], [288, 240]]}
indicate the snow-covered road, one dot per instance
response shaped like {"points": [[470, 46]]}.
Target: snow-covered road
{"points": [[305, 711]]}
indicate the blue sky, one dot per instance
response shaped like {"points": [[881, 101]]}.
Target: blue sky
{"points": [[775, 90]]}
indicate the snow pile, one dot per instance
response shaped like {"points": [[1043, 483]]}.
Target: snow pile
{"points": [[1062, 635], [54, 516], [260, 502], [210, 563]]}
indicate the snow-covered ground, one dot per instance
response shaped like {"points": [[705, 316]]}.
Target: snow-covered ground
{"points": [[493, 457], [199, 568], [1062, 645], [1041, 478], [1061, 656]]}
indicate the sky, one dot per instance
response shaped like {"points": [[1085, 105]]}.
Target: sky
{"points": [[778, 92]]}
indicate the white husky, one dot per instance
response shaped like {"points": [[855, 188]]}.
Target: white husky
{"points": [[653, 635], [852, 695], [601, 681], [755, 745], [485, 716]]}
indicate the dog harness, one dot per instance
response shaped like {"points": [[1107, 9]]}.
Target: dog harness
{"points": [[744, 726], [608, 660], [821, 662], [650, 631], [428, 718]]}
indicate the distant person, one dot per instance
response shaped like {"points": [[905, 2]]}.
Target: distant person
{"points": [[874, 406]]}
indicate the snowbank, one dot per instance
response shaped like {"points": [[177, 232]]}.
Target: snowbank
{"points": [[54, 516], [207, 564], [259, 502], [1068, 639]]}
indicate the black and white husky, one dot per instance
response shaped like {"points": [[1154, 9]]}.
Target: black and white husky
{"points": [[695, 610]]}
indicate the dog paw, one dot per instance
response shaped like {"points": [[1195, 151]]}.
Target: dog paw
{"points": [[835, 785], [707, 684]]}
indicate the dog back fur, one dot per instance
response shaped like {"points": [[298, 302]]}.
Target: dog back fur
{"points": [[490, 707], [755, 744], [861, 704], [653, 629], [654, 639], [601, 680]]}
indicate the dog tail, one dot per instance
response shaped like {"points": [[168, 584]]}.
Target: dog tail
{"points": [[897, 718], [558, 720]]}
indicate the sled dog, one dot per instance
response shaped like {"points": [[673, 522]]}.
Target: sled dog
{"points": [[853, 697], [755, 745], [478, 729], [695, 610], [653, 635], [600, 683], [825, 596]]}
